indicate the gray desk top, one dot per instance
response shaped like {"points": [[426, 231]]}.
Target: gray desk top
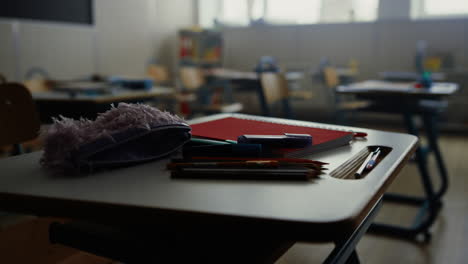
{"points": [[245, 75], [398, 88], [144, 191], [115, 95]]}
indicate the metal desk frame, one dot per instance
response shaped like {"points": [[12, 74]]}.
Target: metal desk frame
{"points": [[409, 106]]}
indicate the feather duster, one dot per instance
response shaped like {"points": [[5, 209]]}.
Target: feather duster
{"points": [[66, 138]]}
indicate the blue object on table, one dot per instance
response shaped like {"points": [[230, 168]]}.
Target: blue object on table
{"points": [[267, 64], [426, 80], [136, 84]]}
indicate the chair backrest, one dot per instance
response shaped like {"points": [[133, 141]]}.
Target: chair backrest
{"points": [[275, 89], [331, 77], [38, 85], [159, 73], [2, 79], [274, 86], [192, 78], [37, 79], [19, 120]]}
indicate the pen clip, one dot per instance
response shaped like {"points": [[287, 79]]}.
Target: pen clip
{"points": [[373, 160]]}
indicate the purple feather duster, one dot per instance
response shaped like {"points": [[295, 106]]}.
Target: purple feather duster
{"points": [[65, 137]]}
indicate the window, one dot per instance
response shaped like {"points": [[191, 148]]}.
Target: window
{"points": [[245, 12], [226, 12], [293, 11], [365, 10], [257, 9], [234, 12], [438, 8]]}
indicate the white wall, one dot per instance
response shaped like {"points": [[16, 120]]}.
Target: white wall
{"points": [[126, 35], [394, 9], [171, 16], [63, 51], [387, 44], [380, 46], [7, 62]]}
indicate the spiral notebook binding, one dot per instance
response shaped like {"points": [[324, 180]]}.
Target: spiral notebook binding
{"points": [[275, 120]]}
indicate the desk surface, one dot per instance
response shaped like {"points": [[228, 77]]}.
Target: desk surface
{"points": [[118, 94], [438, 89], [146, 193], [245, 75]]}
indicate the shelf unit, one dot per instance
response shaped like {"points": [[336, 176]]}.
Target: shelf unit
{"points": [[200, 48]]}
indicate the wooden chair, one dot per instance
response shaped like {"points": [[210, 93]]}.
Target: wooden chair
{"points": [[38, 85], [339, 105], [37, 80], [19, 120], [159, 73], [192, 78], [199, 96], [275, 90]]}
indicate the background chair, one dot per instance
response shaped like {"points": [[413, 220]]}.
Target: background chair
{"points": [[275, 91], [205, 97], [19, 120], [159, 74], [339, 105], [37, 80]]}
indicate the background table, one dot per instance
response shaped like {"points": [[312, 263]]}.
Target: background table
{"points": [[405, 100], [76, 105]]}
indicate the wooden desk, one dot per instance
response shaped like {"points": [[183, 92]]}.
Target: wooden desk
{"points": [[405, 100], [76, 105], [325, 209]]}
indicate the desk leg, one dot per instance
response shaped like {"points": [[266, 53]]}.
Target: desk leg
{"points": [[431, 203], [430, 125], [345, 248]]}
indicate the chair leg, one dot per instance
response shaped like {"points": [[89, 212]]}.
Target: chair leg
{"points": [[430, 124]]}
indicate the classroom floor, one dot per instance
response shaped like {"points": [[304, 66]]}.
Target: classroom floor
{"points": [[449, 233]]}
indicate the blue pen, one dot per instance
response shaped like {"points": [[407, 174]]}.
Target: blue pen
{"points": [[373, 160]]}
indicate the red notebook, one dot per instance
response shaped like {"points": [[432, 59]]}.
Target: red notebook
{"points": [[231, 127]]}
